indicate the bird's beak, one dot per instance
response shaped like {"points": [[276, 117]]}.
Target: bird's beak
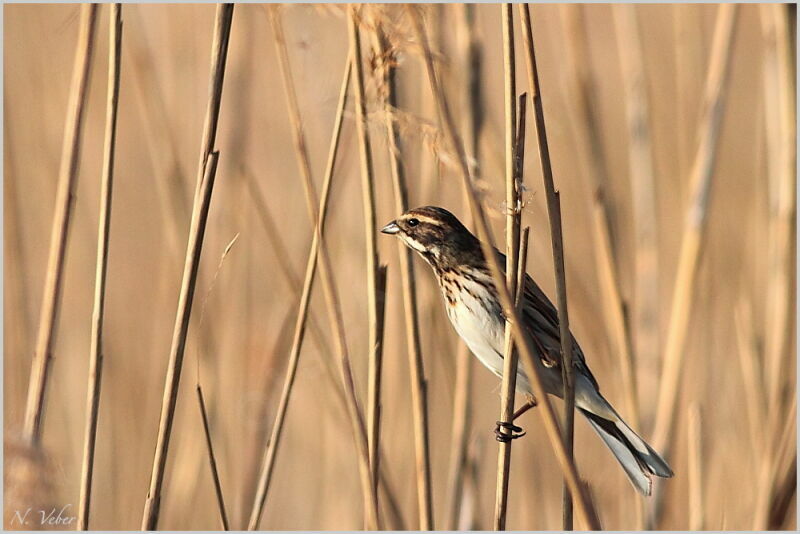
{"points": [[390, 228]]}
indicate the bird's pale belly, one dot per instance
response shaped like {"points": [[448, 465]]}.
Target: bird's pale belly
{"points": [[484, 334]]}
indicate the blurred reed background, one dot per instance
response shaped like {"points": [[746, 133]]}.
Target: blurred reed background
{"points": [[623, 91]]}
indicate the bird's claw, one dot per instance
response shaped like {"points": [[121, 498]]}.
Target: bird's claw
{"points": [[514, 432]]}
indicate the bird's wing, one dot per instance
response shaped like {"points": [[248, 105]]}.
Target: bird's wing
{"points": [[540, 319]]}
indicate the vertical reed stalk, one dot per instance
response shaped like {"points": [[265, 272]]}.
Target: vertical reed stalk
{"points": [[268, 463], [643, 185], [693, 236], [456, 147], [67, 178], [471, 128], [694, 227], [326, 274], [585, 124], [375, 343], [419, 397], [557, 240], [781, 137], [513, 216], [106, 186], [207, 172], [170, 398], [695, 444]]}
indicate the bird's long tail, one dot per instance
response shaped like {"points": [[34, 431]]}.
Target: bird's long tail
{"points": [[637, 458]]}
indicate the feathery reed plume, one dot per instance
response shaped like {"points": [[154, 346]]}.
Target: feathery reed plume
{"points": [[205, 186], [513, 222], [294, 354], [96, 350], [693, 236], [419, 406], [557, 240], [456, 146], [67, 178], [643, 183]]}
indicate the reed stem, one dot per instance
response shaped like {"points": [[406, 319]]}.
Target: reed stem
{"points": [[104, 229]]}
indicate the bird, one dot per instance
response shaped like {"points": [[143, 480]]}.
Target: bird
{"points": [[475, 311]]}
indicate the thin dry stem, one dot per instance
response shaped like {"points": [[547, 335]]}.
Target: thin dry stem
{"points": [[419, 405], [471, 127], [268, 463], [781, 153], [170, 398], [695, 443], [106, 187], [375, 343], [67, 178], [513, 218], [212, 460], [557, 240], [694, 226], [753, 382], [643, 184], [326, 274], [525, 348], [207, 173], [693, 236], [585, 125]]}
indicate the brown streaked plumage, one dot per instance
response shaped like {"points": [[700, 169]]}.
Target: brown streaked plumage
{"points": [[473, 306]]}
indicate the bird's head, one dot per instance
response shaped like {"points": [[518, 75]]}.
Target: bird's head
{"points": [[435, 233]]}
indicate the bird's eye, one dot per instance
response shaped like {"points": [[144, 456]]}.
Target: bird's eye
{"points": [[412, 222]]}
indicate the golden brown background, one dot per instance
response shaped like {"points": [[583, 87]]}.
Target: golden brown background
{"points": [[243, 342]]}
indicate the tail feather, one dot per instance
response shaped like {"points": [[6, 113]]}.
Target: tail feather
{"points": [[639, 477], [637, 458]]}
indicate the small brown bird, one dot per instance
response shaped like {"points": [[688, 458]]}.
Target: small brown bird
{"points": [[474, 308]]}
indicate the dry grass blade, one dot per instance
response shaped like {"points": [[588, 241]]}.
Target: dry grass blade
{"points": [[526, 351], [212, 460], [207, 172], [96, 350], [695, 442], [694, 226], [67, 177], [268, 463], [557, 240], [408, 282], [643, 183], [513, 218]]}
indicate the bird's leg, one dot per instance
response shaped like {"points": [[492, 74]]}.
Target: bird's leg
{"points": [[530, 403], [510, 427]]}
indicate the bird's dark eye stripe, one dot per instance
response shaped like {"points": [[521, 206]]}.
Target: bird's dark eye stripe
{"points": [[413, 222]]}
